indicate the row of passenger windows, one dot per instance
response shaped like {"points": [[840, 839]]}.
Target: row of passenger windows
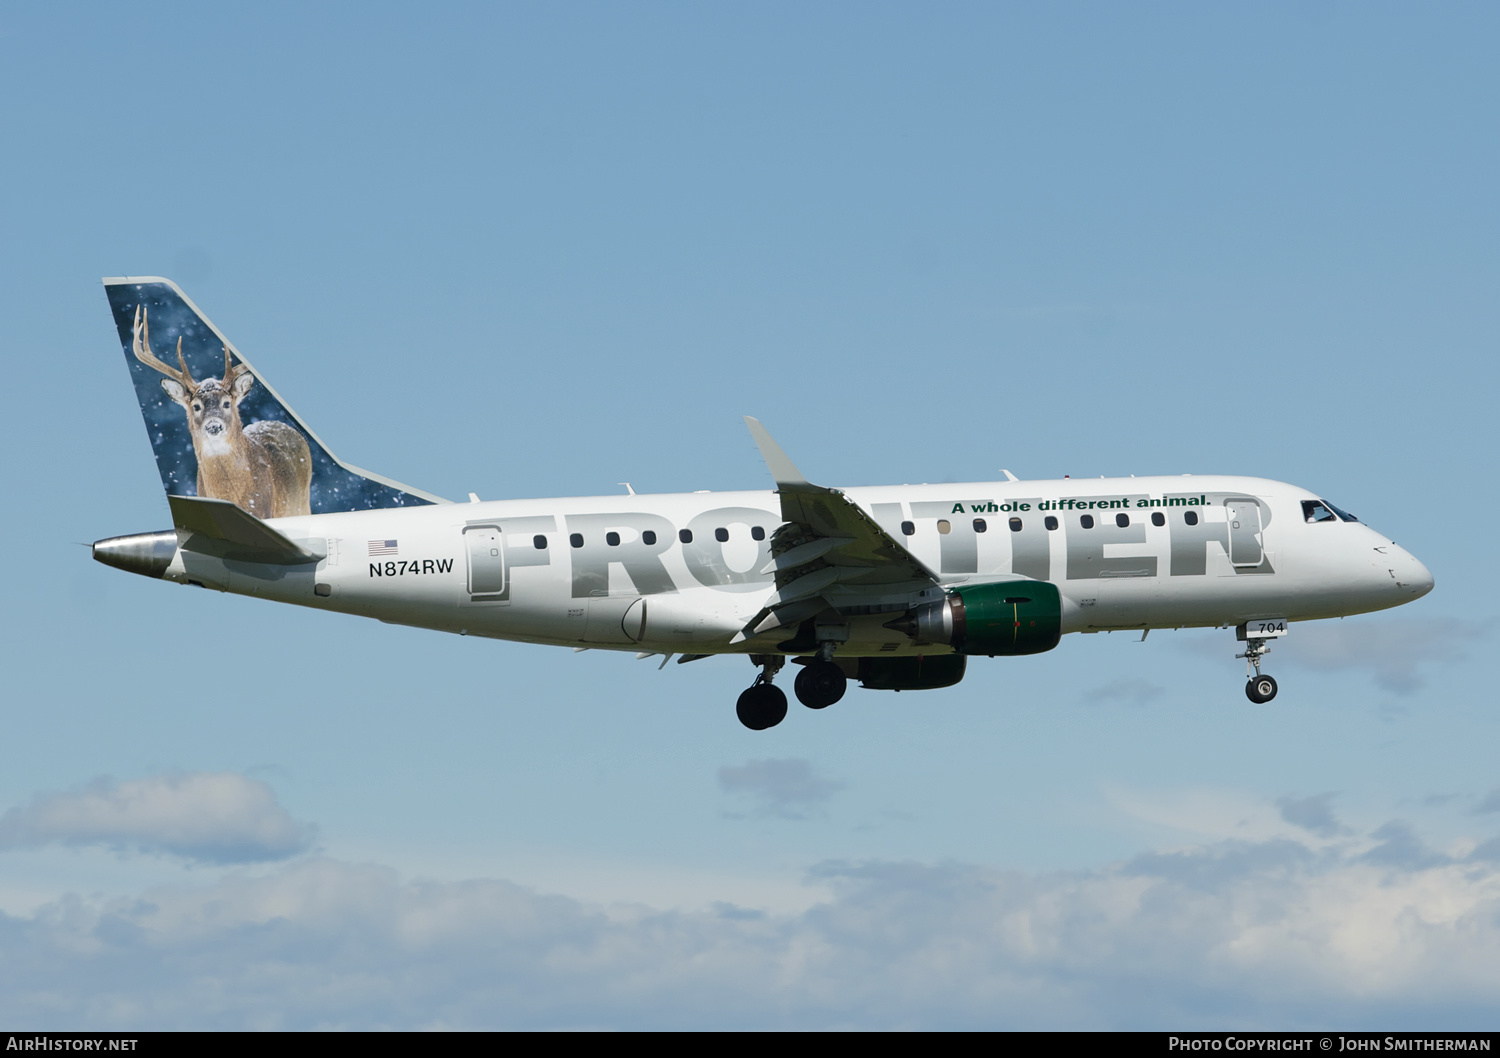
{"points": [[1085, 521], [648, 537]]}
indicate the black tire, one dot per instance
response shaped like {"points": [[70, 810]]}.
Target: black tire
{"points": [[1261, 689], [762, 706], [820, 684]]}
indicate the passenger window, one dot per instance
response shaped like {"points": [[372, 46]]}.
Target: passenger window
{"points": [[908, 528], [576, 539], [721, 535], [980, 525], [945, 526], [612, 539], [648, 537], [685, 535], [1087, 521], [539, 542], [1158, 519], [1050, 522], [1015, 525], [757, 533], [1191, 517], [1122, 520]]}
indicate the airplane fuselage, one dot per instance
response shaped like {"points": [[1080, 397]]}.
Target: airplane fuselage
{"points": [[686, 572]]}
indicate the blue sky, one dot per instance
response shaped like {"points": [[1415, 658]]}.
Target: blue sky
{"points": [[539, 249]]}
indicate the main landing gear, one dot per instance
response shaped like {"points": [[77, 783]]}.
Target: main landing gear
{"points": [[820, 683], [763, 704]]}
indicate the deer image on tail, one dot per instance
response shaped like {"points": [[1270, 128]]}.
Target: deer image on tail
{"points": [[265, 467]]}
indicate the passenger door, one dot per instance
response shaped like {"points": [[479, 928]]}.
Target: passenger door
{"points": [[1245, 546], [486, 550]]}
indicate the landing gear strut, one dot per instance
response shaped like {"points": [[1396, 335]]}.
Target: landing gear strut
{"points": [[763, 704], [1258, 688]]}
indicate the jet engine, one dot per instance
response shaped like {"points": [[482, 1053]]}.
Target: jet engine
{"points": [[1014, 617]]}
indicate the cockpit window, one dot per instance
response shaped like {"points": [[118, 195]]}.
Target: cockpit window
{"points": [[1317, 511], [1345, 515]]}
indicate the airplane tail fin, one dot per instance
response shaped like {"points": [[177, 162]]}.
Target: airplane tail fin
{"points": [[218, 428]]}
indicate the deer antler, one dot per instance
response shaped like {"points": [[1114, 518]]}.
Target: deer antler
{"points": [[141, 346], [232, 371]]}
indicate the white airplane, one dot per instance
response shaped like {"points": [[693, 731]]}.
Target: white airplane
{"points": [[895, 587]]}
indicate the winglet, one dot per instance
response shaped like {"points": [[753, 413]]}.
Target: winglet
{"points": [[780, 466]]}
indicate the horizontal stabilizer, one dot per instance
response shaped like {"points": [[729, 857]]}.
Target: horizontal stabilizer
{"points": [[220, 528]]}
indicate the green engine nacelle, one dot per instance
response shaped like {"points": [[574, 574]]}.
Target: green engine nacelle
{"points": [[1015, 617], [1022, 617]]}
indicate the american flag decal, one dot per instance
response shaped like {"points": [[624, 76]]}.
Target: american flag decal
{"points": [[382, 547]]}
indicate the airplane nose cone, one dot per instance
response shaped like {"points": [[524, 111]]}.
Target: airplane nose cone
{"points": [[1413, 576], [1421, 578]]}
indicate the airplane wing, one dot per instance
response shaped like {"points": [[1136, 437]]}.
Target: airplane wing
{"points": [[829, 552]]}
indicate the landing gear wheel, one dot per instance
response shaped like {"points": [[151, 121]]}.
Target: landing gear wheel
{"points": [[820, 684], [1260, 689], [762, 706]]}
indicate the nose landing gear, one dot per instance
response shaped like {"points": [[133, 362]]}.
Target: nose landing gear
{"points": [[1258, 688], [1261, 689]]}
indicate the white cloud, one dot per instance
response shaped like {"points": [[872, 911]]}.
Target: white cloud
{"points": [[1234, 934], [210, 817], [784, 787], [1207, 813]]}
